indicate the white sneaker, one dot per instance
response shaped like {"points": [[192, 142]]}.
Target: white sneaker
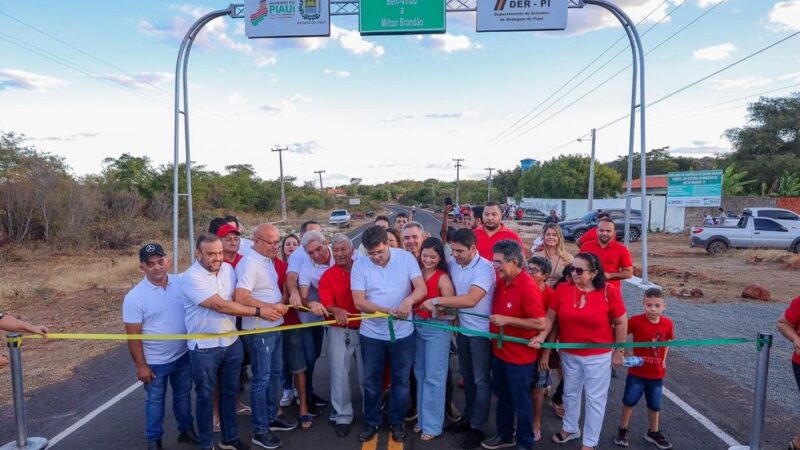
{"points": [[288, 397]]}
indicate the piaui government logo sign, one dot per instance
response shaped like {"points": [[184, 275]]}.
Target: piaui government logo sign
{"points": [[521, 15], [287, 18]]}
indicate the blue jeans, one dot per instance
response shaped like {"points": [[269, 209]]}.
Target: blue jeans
{"points": [[208, 364], [432, 357], [474, 362], [512, 385], [636, 386], [374, 352], [179, 375], [312, 348], [266, 362]]}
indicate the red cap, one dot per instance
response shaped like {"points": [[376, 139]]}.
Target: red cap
{"points": [[228, 229]]}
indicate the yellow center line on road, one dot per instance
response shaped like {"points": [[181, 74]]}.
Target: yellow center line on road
{"points": [[371, 444], [394, 445]]}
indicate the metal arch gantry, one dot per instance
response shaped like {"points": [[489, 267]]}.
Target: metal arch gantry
{"points": [[350, 7]]}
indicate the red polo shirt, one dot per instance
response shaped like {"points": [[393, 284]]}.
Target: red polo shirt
{"points": [[521, 298], [590, 324], [235, 261], [645, 331], [486, 242], [792, 315], [613, 257], [334, 290]]}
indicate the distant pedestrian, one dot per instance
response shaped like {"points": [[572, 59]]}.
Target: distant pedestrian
{"points": [[552, 218], [154, 306], [789, 326], [647, 379]]}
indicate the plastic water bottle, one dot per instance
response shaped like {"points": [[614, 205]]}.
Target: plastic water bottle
{"points": [[633, 361]]}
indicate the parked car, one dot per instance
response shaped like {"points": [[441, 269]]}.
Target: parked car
{"points": [[340, 218], [788, 219], [531, 215], [574, 229], [750, 232]]}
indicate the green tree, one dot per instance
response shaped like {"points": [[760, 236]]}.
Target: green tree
{"points": [[733, 182], [568, 177], [130, 173], [659, 162], [788, 185]]}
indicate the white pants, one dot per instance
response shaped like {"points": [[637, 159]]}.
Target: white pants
{"points": [[590, 375], [343, 355]]}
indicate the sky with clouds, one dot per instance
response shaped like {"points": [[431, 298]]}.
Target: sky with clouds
{"points": [[89, 81]]}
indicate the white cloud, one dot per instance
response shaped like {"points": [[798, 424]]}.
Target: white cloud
{"points": [[741, 83], [285, 106], [29, 81], [707, 3], [592, 18], [71, 137], [719, 52], [337, 73], [304, 148], [237, 99], [785, 16], [213, 35], [447, 42], [700, 148], [265, 60], [436, 115], [351, 41], [145, 81], [794, 76]]}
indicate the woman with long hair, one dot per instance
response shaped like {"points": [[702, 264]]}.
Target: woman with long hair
{"points": [[588, 310], [393, 238], [552, 249], [432, 353], [290, 243]]}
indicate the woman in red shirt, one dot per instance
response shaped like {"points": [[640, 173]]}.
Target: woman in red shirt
{"points": [[789, 326], [432, 353], [586, 310]]}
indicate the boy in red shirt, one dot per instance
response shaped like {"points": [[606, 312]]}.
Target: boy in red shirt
{"points": [[647, 379]]}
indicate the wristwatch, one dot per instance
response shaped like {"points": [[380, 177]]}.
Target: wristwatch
{"points": [[258, 311]]}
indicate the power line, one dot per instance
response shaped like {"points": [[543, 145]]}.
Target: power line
{"points": [[96, 58], [581, 71], [698, 81], [599, 85]]}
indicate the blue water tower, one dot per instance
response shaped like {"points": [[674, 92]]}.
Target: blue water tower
{"points": [[527, 163]]}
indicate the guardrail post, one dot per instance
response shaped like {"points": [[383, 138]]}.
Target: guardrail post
{"points": [[23, 442], [764, 346]]}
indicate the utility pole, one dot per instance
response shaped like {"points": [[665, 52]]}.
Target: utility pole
{"points": [[489, 194], [591, 171], [283, 189], [458, 181], [321, 192]]}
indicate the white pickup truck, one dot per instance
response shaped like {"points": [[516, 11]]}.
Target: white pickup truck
{"points": [[749, 232]]}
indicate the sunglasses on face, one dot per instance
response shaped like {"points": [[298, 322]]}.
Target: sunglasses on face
{"points": [[579, 271]]}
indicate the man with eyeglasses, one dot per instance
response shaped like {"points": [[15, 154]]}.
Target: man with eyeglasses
{"points": [[389, 281], [154, 306], [257, 285], [231, 244]]}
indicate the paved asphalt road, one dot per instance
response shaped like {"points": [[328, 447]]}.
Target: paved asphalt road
{"points": [[721, 400]]}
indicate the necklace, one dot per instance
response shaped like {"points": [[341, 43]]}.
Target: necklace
{"points": [[578, 303]]}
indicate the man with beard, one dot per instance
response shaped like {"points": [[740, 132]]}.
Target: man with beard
{"points": [[207, 288], [493, 231], [614, 256]]}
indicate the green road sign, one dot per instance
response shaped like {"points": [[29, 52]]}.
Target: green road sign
{"points": [[696, 188], [401, 16]]}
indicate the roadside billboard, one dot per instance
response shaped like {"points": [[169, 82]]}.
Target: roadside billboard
{"points": [[287, 18], [521, 15], [695, 188]]}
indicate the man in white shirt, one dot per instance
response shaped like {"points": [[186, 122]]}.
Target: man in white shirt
{"points": [[389, 281], [474, 280], [207, 289], [311, 339], [154, 306], [257, 286]]}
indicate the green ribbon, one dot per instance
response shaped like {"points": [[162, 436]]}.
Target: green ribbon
{"points": [[392, 337]]}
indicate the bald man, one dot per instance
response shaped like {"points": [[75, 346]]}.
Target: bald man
{"points": [[257, 285]]}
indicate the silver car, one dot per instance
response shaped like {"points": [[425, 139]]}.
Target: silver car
{"points": [[748, 233]]}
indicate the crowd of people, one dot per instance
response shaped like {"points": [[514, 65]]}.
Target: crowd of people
{"points": [[480, 278]]}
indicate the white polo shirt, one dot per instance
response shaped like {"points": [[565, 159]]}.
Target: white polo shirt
{"points": [[160, 311], [245, 246], [309, 276], [257, 274], [197, 286], [296, 260], [386, 287], [479, 272]]}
